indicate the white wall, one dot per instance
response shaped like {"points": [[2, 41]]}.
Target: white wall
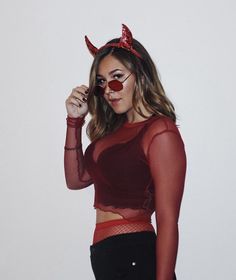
{"points": [[46, 229]]}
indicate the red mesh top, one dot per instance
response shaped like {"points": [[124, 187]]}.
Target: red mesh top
{"points": [[135, 170]]}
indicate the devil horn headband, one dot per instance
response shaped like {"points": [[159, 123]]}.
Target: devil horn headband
{"points": [[126, 42]]}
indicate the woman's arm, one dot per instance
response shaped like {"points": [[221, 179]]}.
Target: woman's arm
{"points": [[167, 161], [76, 174]]}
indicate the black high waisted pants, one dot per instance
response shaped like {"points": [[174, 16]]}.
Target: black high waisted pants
{"points": [[129, 256]]}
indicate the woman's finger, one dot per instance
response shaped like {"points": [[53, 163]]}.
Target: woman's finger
{"points": [[78, 94]]}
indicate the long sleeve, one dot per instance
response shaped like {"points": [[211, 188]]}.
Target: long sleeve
{"points": [[167, 160], [76, 175]]}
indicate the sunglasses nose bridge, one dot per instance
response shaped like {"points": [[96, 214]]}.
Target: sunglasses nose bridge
{"points": [[110, 87], [106, 88]]}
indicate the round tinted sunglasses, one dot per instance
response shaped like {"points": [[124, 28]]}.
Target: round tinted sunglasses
{"points": [[114, 85]]}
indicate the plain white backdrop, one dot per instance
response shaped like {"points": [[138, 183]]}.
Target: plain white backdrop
{"points": [[45, 228]]}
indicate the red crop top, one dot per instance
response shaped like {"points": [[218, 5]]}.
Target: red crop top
{"points": [[132, 169]]}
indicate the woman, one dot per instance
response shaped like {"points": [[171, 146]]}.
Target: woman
{"points": [[136, 161]]}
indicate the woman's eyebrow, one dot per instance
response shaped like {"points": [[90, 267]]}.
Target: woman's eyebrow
{"points": [[111, 72]]}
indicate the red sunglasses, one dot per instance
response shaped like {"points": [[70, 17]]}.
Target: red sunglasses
{"points": [[114, 85]]}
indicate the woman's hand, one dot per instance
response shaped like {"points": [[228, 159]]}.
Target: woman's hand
{"points": [[76, 103]]}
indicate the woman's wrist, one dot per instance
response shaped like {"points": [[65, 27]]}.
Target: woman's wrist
{"points": [[75, 122], [78, 147]]}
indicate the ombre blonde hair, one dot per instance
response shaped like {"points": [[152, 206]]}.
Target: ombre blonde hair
{"points": [[148, 90]]}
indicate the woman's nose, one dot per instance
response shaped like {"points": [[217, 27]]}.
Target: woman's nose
{"points": [[107, 89]]}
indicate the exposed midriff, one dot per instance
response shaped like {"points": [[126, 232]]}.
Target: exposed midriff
{"points": [[103, 216]]}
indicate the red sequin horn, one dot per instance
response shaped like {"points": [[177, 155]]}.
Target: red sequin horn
{"points": [[126, 42]]}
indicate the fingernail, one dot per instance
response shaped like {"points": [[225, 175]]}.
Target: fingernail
{"points": [[84, 99]]}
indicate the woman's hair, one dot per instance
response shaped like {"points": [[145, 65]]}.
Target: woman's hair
{"points": [[148, 90]]}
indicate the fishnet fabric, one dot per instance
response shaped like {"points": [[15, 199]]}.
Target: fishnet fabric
{"points": [[111, 230]]}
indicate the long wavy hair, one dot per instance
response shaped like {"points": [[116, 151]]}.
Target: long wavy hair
{"points": [[148, 90]]}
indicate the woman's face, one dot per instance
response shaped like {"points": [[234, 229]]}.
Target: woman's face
{"points": [[110, 69]]}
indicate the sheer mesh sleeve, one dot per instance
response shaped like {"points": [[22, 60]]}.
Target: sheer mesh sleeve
{"points": [[76, 174], [167, 161]]}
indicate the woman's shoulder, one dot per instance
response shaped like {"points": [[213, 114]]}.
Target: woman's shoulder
{"points": [[159, 124]]}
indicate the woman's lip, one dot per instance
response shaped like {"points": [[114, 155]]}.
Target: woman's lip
{"points": [[115, 101]]}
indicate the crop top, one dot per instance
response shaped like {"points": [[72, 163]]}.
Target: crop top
{"points": [[134, 169]]}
